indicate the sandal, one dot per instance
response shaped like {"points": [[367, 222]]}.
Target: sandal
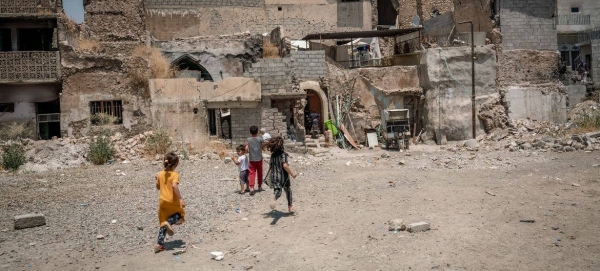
{"points": [[252, 193], [159, 248], [291, 209], [166, 225]]}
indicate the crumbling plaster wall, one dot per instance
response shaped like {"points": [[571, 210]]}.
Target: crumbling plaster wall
{"points": [[375, 89], [431, 8], [477, 11], [24, 114], [529, 82], [119, 27], [168, 19], [595, 66], [447, 105], [222, 57]]}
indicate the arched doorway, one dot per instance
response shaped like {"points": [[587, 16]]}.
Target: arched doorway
{"points": [[316, 100], [188, 67]]}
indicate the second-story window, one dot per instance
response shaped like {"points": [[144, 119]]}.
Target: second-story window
{"points": [[574, 9]]}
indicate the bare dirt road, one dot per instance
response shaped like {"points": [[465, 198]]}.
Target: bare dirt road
{"points": [[344, 202]]}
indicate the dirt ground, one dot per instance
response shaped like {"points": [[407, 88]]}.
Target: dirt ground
{"points": [[344, 201]]}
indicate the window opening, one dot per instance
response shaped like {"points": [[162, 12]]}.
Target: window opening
{"points": [[35, 39], [188, 68], [212, 121], [5, 40], [7, 107], [574, 9], [102, 111]]}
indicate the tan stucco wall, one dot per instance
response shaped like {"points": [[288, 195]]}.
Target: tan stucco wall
{"points": [[297, 18]]}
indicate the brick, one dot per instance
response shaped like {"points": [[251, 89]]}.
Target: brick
{"points": [[418, 227], [29, 221]]}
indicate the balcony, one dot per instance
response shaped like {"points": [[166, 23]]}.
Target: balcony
{"points": [[29, 67], [573, 19], [588, 35], [10, 8]]}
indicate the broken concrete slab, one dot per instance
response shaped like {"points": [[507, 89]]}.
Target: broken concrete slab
{"points": [[417, 227], [29, 221]]}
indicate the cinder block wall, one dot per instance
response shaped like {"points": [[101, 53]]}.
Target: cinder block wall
{"points": [[308, 64], [528, 24], [241, 120]]}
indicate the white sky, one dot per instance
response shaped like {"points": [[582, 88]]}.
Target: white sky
{"points": [[74, 9]]}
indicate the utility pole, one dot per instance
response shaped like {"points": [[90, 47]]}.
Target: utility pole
{"points": [[472, 77]]}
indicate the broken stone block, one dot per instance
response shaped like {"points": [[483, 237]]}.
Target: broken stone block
{"points": [[29, 221], [417, 227], [471, 143], [396, 225], [227, 160]]}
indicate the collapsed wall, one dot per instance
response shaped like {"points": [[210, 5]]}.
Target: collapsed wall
{"points": [[528, 80], [446, 80], [98, 67]]}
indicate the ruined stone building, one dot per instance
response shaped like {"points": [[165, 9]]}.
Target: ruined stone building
{"points": [[578, 27], [30, 69]]}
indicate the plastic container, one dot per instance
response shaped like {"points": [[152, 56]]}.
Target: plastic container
{"points": [[331, 127]]}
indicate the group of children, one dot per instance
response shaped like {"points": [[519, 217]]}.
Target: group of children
{"points": [[171, 205]]}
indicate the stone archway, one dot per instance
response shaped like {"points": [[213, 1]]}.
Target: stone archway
{"points": [[306, 86]]}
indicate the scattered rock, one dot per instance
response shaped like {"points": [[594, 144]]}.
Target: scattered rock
{"points": [[396, 225], [29, 221], [401, 163], [99, 236], [385, 155], [227, 160], [417, 227], [217, 255], [576, 184], [471, 143]]}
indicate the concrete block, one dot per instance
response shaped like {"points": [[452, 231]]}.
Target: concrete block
{"points": [[29, 221], [417, 227]]}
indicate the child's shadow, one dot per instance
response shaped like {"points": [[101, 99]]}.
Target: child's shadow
{"points": [[276, 215], [171, 245]]}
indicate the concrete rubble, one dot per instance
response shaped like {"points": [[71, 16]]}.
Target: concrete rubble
{"points": [[29, 221]]}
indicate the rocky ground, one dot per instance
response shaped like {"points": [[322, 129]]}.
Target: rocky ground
{"points": [[104, 217]]}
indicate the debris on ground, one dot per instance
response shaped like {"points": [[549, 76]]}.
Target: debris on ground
{"points": [[418, 227], [29, 221]]}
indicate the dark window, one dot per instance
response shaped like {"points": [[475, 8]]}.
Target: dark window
{"points": [[386, 13], [5, 40], [279, 8], [35, 39], [574, 9], [106, 112], [350, 0], [7, 108]]}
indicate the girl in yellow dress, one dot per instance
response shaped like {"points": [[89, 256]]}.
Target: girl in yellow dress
{"points": [[170, 203]]}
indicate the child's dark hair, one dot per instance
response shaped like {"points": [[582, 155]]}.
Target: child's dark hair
{"points": [[253, 130], [275, 144], [240, 148], [171, 159]]}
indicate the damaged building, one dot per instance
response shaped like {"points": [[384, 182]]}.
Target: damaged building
{"points": [[271, 62], [30, 70]]}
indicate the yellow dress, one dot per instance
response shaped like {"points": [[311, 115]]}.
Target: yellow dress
{"points": [[168, 202]]}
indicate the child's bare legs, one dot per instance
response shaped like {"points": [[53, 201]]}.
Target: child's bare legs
{"points": [[242, 188], [166, 229], [288, 195]]}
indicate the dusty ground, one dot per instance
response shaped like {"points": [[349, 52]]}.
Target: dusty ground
{"points": [[342, 207]]}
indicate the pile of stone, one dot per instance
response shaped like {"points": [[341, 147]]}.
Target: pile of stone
{"points": [[130, 148]]}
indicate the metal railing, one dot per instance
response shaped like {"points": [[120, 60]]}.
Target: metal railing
{"points": [[588, 35], [573, 19], [29, 66], [28, 6]]}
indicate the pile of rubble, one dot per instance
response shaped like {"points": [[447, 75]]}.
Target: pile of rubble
{"points": [[62, 153]]}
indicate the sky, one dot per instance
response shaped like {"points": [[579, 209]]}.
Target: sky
{"points": [[74, 9]]}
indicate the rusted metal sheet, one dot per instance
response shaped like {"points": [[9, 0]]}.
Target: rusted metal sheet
{"points": [[348, 137]]}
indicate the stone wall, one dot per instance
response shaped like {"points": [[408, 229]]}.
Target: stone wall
{"points": [[222, 57], [477, 11], [596, 62], [179, 19], [528, 24], [116, 20], [406, 12], [241, 120], [431, 8]]}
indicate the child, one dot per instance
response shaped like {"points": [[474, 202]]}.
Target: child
{"points": [[170, 203], [254, 147], [280, 172], [242, 163]]}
